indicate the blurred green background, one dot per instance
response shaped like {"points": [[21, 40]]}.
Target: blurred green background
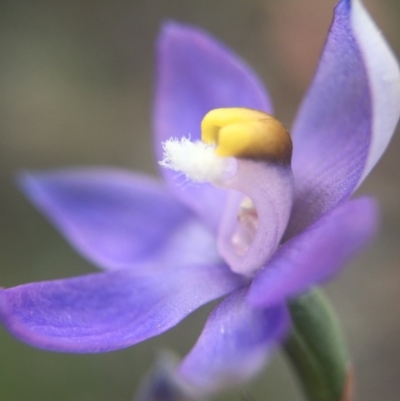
{"points": [[76, 83]]}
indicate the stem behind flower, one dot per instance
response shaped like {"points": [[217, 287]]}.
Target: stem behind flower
{"points": [[316, 349]]}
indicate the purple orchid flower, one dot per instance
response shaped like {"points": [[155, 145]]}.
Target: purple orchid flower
{"points": [[165, 247]]}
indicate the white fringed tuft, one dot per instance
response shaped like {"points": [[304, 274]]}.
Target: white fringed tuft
{"points": [[197, 160]]}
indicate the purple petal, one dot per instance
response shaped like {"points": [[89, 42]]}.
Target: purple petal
{"points": [[317, 254], [195, 75], [234, 345], [115, 218], [347, 117], [107, 311], [384, 74]]}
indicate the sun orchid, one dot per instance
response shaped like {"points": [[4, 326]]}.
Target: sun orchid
{"points": [[260, 227]]}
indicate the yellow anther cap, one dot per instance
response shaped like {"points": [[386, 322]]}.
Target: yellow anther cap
{"points": [[246, 133]]}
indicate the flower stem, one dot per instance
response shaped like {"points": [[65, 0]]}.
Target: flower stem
{"points": [[316, 349]]}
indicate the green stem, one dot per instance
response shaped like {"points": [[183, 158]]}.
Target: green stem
{"points": [[316, 348]]}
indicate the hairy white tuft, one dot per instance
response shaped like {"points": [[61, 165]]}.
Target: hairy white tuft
{"points": [[197, 160]]}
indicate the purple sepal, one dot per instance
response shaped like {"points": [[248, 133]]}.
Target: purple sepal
{"points": [[333, 129], [234, 345], [116, 218], [107, 311], [195, 74], [317, 254]]}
